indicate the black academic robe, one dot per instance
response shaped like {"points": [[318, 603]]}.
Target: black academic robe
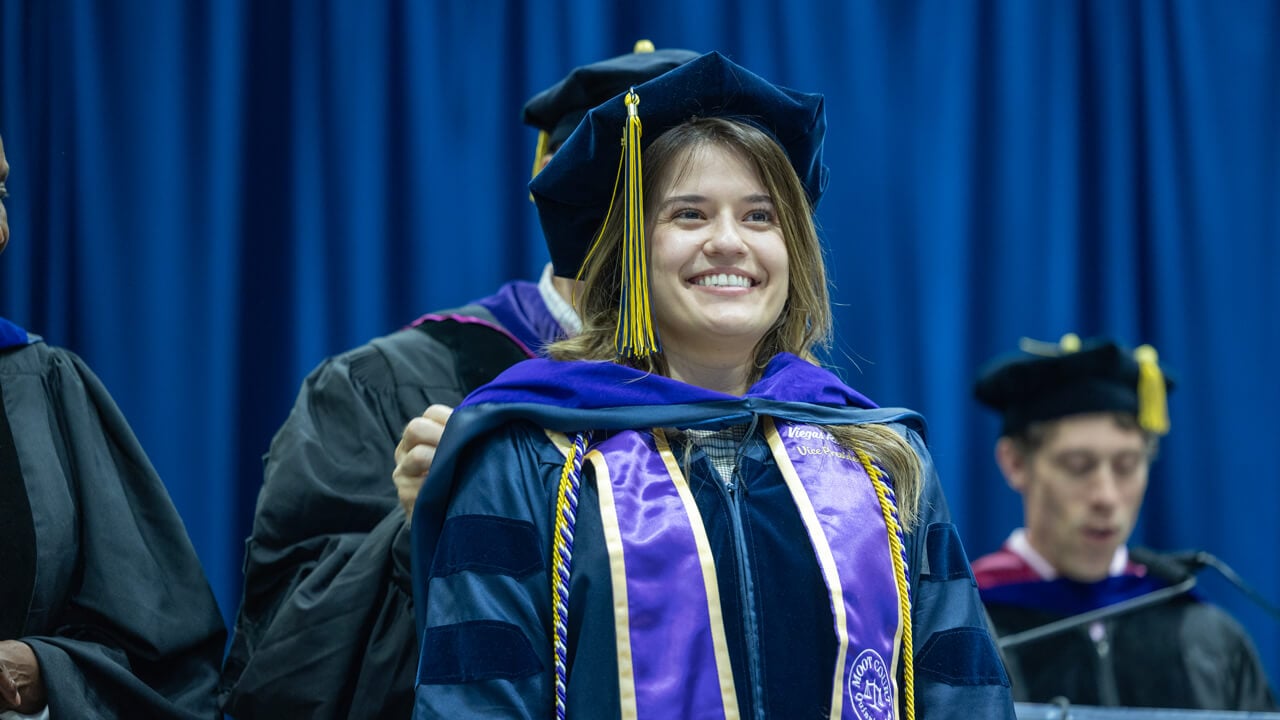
{"points": [[99, 576], [1180, 652], [325, 628]]}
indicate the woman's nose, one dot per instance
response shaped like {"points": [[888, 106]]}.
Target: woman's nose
{"points": [[726, 238]]}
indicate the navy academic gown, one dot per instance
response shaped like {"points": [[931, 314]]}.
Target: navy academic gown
{"points": [[483, 523], [99, 576]]}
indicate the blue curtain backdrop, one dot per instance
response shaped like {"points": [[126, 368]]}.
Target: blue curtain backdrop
{"points": [[209, 197]]}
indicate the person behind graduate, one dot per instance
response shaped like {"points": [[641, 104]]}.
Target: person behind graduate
{"points": [[105, 611], [1082, 422], [326, 624], [682, 514]]}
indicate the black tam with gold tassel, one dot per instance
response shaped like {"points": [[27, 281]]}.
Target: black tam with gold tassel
{"points": [[1047, 381]]}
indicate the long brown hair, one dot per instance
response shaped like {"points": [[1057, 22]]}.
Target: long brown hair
{"points": [[805, 322]]}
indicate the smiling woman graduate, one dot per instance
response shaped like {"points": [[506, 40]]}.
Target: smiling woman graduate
{"points": [[682, 514]]}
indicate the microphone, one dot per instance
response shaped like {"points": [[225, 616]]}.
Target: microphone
{"points": [[1176, 568], [1171, 567], [1203, 559]]}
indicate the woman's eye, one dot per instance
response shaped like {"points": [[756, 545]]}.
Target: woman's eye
{"points": [[686, 214], [760, 216]]}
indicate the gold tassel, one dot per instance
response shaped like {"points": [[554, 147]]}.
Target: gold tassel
{"points": [[1153, 409], [540, 153], [1068, 344], [635, 336]]}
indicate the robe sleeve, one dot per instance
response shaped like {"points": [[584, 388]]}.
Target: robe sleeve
{"points": [[1223, 667], [123, 623], [485, 650], [958, 671], [325, 628]]}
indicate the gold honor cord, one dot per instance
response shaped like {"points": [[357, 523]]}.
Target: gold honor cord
{"points": [[887, 507], [562, 559]]}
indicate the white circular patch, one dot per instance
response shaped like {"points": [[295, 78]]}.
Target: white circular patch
{"points": [[870, 692]]}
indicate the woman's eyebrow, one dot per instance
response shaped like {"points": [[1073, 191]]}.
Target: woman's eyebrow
{"points": [[682, 199], [694, 199]]}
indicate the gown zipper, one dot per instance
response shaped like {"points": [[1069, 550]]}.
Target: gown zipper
{"points": [[746, 588], [1108, 692]]}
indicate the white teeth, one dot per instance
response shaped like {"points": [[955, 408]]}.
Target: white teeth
{"points": [[723, 280]]}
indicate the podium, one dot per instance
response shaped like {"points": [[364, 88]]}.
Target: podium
{"points": [[1033, 711]]}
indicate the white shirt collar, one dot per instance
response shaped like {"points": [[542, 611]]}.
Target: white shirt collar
{"points": [[560, 309], [1020, 546]]}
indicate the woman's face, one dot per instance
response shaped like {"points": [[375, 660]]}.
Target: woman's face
{"points": [[719, 275]]}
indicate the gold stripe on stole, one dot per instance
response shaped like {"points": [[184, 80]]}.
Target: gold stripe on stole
{"points": [[560, 440], [724, 669], [825, 559], [618, 577]]}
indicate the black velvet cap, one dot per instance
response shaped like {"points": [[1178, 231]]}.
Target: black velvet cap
{"points": [[1047, 382], [573, 193], [558, 109]]}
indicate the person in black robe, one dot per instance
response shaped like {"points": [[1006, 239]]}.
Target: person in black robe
{"points": [[1082, 616], [325, 627], [105, 611]]}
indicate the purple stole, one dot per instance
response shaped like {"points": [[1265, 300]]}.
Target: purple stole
{"points": [[673, 659], [11, 335]]}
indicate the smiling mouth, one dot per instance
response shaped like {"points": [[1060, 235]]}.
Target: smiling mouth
{"points": [[723, 280]]}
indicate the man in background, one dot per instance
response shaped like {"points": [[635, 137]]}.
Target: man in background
{"points": [[325, 628], [1082, 424]]}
